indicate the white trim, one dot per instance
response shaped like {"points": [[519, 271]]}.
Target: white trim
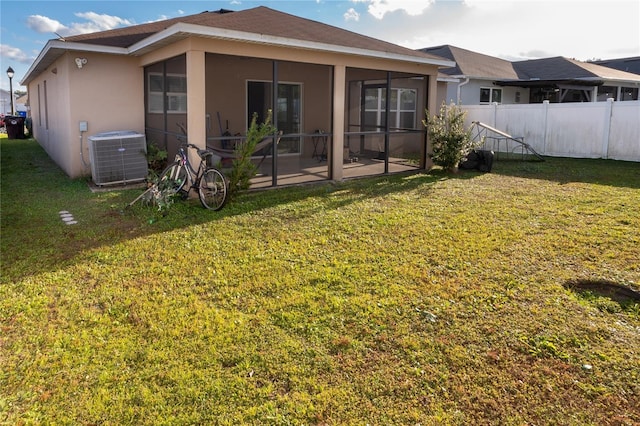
{"points": [[491, 91], [199, 30], [70, 46], [86, 47], [183, 29]]}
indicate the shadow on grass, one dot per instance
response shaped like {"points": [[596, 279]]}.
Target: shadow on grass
{"points": [[35, 191], [607, 296], [563, 170]]}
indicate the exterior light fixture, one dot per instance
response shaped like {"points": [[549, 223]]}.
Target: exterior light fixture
{"points": [[10, 74]]}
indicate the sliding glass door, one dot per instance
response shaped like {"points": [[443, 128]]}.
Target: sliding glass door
{"points": [[288, 113]]}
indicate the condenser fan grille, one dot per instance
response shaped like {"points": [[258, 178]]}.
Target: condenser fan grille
{"points": [[118, 157]]}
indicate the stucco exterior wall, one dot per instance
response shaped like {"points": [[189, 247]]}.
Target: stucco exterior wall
{"points": [[470, 92], [251, 60], [107, 93], [50, 112], [226, 89]]}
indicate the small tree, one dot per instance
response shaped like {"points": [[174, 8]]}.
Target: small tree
{"points": [[450, 141], [242, 168]]}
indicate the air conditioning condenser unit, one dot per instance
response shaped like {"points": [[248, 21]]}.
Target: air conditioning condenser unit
{"points": [[118, 157]]}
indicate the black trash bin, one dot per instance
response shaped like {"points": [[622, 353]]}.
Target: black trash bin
{"points": [[15, 126]]}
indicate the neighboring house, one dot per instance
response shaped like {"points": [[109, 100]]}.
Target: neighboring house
{"points": [[22, 105], [5, 102], [631, 65], [470, 81], [214, 70], [484, 79]]}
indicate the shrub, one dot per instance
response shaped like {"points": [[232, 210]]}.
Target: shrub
{"points": [[451, 142], [156, 158], [243, 169]]}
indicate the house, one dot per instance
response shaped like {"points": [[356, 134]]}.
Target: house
{"points": [[5, 102], [211, 72], [22, 104], [631, 64], [483, 79]]}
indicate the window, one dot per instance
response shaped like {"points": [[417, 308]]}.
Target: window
{"points": [[402, 106], [629, 94], [39, 108], [490, 95], [176, 93], [606, 92], [46, 107]]}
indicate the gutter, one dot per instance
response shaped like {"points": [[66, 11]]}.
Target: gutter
{"points": [[458, 95]]}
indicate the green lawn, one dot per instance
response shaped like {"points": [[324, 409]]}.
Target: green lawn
{"points": [[422, 299]]}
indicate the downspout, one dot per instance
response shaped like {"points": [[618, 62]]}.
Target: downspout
{"points": [[458, 89]]}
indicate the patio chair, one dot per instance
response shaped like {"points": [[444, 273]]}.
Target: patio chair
{"points": [[266, 144]]}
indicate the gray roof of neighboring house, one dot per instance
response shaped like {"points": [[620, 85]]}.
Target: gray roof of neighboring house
{"points": [[631, 64], [257, 25], [558, 68], [530, 72], [472, 64]]}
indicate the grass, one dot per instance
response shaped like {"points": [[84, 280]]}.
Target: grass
{"points": [[422, 299]]}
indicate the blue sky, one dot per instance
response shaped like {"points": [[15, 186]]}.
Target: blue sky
{"points": [[513, 30]]}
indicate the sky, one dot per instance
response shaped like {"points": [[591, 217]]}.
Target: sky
{"points": [[508, 29]]}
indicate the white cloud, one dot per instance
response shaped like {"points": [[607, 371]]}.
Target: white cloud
{"points": [[97, 22], [94, 22], [515, 29], [379, 8], [15, 54], [42, 24], [351, 15]]}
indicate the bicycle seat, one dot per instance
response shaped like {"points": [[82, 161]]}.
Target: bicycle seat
{"points": [[204, 154]]}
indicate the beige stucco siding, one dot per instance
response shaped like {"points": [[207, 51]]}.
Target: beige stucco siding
{"points": [[49, 109], [283, 53], [107, 93], [226, 82], [230, 64]]}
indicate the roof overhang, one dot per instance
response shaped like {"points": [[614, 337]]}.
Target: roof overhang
{"points": [[448, 79], [56, 48], [183, 30], [551, 83]]}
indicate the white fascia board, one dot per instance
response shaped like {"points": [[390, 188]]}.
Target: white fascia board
{"points": [[70, 46], [449, 79], [621, 80], [86, 47], [199, 30]]}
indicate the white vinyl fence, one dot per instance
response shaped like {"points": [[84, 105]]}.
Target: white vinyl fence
{"points": [[608, 130]]}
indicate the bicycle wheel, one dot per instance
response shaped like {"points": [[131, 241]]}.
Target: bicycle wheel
{"points": [[213, 189], [173, 177]]}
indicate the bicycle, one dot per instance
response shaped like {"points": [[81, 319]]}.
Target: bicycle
{"points": [[207, 180]]}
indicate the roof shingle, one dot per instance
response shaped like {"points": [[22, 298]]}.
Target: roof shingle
{"points": [[259, 20]]}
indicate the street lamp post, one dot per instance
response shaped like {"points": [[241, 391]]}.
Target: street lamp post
{"points": [[10, 75]]}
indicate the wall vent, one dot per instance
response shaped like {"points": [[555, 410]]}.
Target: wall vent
{"points": [[118, 157]]}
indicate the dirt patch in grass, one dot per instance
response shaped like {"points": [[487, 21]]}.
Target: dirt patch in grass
{"points": [[614, 291]]}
